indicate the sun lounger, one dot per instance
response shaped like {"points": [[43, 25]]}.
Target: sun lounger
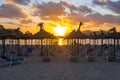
{"points": [[3, 63], [73, 57], [91, 56], [118, 55], [12, 59], [105, 55], [109, 56], [46, 58], [29, 51]]}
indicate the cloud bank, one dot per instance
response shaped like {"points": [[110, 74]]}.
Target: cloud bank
{"points": [[11, 11]]}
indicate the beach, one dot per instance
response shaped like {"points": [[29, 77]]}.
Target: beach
{"points": [[59, 39], [60, 68]]}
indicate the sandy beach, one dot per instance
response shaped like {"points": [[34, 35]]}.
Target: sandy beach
{"points": [[59, 39], [60, 68]]}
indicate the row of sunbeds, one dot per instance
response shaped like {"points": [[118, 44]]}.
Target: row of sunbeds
{"points": [[90, 53], [7, 59]]}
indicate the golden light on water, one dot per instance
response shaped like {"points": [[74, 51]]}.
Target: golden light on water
{"points": [[60, 31], [60, 41]]}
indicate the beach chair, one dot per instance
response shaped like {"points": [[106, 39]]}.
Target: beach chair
{"points": [[73, 57], [91, 55], [12, 59], [118, 55], [46, 57], [29, 51], [20, 52], [105, 55], [111, 56], [19, 59], [3, 62]]}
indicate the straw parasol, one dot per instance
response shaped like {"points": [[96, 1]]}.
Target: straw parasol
{"points": [[6, 34], [42, 34], [79, 34], [19, 34], [76, 35], [113, 34], [102, 36], [2, 38], [93, 36], [27, 36]]}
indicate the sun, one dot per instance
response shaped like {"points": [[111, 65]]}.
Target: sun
{"points": [[60, 31]]}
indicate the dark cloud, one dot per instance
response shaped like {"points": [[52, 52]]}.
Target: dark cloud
{"points": [[11, 11], [49, 9], [25, 21], [98, 2], [76, 18], [84, 9], [21, 2], [100, 19], [114, 6], [52, 10], [95, 18]]}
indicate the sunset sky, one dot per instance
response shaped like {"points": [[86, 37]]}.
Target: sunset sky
{"points": [[26, 14]]}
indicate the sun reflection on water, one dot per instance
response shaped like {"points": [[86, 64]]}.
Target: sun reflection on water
{"points": [[60, 41]]}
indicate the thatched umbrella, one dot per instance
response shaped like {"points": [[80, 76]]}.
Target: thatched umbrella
{"points": [[113, 34], [19, 35], [6, 34], [27, 36], [77, 35], [102, 36], [118, 33], [93, 36], [70, 36], [42, 34], [2, 38]]}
